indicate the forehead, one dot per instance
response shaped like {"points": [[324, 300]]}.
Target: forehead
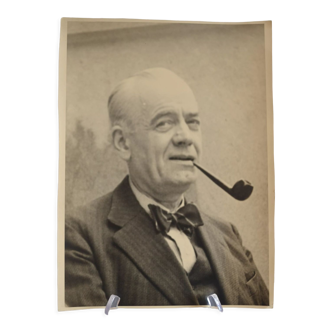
{"points": [[167, 93]]}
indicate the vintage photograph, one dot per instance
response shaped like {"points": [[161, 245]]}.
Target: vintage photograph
{"points": [[166, 185]]}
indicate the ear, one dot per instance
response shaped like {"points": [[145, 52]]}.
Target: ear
{"points": [[121, 142]]}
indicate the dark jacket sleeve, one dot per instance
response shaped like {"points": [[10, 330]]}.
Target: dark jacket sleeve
{"points": [[255, 282], [83, 285]]}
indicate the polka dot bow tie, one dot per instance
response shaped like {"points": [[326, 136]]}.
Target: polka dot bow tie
{"points": [[186, 218]]}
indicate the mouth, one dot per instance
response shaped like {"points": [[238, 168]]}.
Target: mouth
{"points": [[183, 158]]}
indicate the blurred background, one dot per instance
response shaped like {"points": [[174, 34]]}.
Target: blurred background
{"points": [[225, 67]]}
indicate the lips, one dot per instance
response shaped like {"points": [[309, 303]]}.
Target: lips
{"points": [[182, 157]]}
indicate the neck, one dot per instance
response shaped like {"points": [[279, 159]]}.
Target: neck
{"points": [[170, 205], [171, 201]]}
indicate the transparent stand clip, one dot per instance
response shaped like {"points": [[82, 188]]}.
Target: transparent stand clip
{"points": [[114, 300], [214, 302], [112, 303]]}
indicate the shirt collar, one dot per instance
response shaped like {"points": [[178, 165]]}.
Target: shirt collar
{"points": [[144, 200]]}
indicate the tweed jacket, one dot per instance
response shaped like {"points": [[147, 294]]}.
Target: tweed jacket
{"points": [[112, 247]]}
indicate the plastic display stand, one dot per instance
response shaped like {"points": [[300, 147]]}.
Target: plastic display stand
{"points": [[214, 302], [114, 300], [112, 303]]}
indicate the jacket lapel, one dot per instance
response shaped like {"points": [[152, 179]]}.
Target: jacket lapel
{"points": [[222, 262], [148, 249]]}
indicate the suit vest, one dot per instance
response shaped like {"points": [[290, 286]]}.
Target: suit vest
{"points": [[201, 276]]}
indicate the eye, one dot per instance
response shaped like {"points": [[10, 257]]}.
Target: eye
{"points": [[164, 125], [194, 124]]}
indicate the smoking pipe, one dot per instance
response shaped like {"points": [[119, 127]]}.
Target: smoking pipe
{"points": [[241, 190]]}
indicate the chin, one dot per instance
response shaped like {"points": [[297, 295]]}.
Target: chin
{"points": [[185, 179]]}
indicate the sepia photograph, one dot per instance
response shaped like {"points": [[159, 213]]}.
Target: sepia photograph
{"points": [[166, 174]]}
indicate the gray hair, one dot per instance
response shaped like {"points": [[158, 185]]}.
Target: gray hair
{"points": [[125, 100]]}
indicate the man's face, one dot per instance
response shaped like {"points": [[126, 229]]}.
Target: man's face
{"points": [[167, 139]]}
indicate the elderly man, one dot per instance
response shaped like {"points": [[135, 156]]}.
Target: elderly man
{"points": [[144, 241]]}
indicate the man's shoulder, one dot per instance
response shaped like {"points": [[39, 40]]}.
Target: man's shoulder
{"points": [[93, 212], [228, 230]]}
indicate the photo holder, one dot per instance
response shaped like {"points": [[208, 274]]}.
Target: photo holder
{"points": [[214, 302], [114, 300], [112, 303]]}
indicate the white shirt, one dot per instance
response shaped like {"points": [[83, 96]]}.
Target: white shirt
{"points": [[176, 239]]}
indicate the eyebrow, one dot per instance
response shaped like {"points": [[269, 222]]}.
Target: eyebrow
{"points": [[171, 113]]}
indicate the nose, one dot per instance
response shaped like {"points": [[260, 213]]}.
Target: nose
{"points": [[182, 135]]}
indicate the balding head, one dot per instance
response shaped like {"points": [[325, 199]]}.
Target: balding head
{"points": [[132, 96], [156, 130]]}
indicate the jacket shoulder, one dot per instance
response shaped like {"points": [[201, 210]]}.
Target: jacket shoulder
{"points": [[94, 212], [228, 230]]}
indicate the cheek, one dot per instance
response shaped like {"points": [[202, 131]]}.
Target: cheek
{"points": [[198, 142], [140, 151], [158, 146]]}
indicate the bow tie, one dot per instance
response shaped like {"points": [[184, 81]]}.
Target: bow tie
{"points": [[186, 218]]}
